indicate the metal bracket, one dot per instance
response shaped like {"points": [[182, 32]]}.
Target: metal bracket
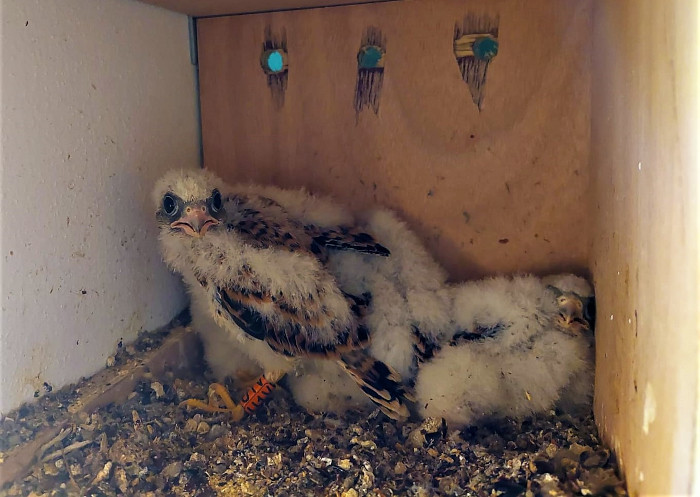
{"points": [[194, 59], [192, 30]]}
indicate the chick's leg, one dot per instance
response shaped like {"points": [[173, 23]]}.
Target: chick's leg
{"points": [[260, 390], [274, 367], [217, 390], [253, 398]]}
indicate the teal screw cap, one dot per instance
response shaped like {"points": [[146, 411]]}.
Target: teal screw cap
{"points": [[275, 61], [485, 48], [370, 57]]}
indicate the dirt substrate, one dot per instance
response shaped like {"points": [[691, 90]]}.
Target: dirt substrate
{"points": [[150, 446]]}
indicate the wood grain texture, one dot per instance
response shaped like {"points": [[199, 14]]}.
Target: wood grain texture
{"points": [[498, 191], [204, 8], [645, 259]]}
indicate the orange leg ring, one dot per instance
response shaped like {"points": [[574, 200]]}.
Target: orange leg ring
{"points": [[256, 394]]}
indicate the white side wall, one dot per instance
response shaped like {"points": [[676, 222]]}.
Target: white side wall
{"points": [[97, 101]]}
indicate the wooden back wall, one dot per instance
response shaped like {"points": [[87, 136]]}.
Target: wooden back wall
{"points": [[501, 189]]}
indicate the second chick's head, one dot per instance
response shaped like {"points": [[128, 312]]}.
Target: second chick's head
{"points": [[189, 203], [575, 303]]}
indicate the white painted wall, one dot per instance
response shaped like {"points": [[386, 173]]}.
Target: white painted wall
{"points": [[97, 100]]}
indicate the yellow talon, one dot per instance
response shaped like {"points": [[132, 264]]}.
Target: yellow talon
{"points": [[217, 390], [198, 404]]}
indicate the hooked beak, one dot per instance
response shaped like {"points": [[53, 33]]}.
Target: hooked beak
{"points": [[573, 323], [195, 221]]}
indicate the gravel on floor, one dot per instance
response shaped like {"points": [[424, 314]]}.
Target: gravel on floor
{"points": [[151, 446]]}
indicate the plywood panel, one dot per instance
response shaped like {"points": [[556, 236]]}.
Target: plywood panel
{"points": [[201, 8], [644, 153], [499, 190]]}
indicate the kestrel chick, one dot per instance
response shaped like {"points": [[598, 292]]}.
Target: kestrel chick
{"points": [[523, 345], [262, 274]]}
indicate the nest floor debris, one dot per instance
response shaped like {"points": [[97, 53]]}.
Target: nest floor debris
{"points": [[150, 446]]}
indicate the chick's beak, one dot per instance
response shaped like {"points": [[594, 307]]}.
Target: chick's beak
{"points": [[573, 322], [195, 221], [566, 318]]}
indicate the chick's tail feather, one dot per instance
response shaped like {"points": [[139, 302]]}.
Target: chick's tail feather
{"points": [[379, 382]]}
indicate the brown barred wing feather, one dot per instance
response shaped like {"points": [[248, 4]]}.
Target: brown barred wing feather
{"points": [[346, 238], [424, 348], [245, 317], [379, 382], [262, 224], [291, 333]]}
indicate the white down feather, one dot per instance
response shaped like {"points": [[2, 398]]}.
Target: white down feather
{"points": [[523, 369]]}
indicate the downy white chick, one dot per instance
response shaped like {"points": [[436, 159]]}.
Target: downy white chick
{"points": [[409, 298], [527, 344], [262, 272]]}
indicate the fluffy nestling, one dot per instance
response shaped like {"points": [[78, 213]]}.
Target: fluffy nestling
{"points": [[229, 357], [262, 273], [409, 298], [525, 345]]}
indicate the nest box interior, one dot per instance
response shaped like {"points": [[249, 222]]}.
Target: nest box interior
{"points": [[564, 140]]}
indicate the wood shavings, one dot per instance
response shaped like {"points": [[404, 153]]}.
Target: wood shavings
{"points": [[147, 445], [66, 450], [103, 474], [58, 438]]}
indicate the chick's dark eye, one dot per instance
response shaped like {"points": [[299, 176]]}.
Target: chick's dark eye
{"points": [[169, 204], [216, 202]]}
